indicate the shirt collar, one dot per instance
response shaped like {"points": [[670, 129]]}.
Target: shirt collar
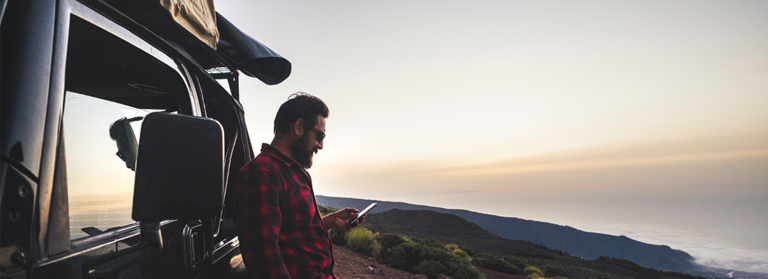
{"points": [[272, 151]]}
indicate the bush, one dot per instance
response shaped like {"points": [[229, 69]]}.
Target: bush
{"points": [[497, 264], [552, 271], [533, 271], [452, 246], [402, 256], [433, 243], [390, 240], [338, 237], [469, 252], [518, 263], [456, 250], [430, 260], [462, 254], [363, 241], [431, 269]]}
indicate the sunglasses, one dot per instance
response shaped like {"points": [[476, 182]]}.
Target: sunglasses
{"points": [[320, 134]]}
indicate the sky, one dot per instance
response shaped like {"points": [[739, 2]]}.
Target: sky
{"points": [[640, 118]]}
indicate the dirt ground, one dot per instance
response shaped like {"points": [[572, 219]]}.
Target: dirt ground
{"points": [[490, 274], [352, 265]]}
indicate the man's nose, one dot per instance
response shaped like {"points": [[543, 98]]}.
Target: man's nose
{"points": [[320, 145]]}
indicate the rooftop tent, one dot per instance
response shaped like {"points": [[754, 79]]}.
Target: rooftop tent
{"points": [[246, 54], [206, 36], [249, 56], [197, 16]]}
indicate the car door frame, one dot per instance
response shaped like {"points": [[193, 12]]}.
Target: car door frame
{"points": [[67, 261]]}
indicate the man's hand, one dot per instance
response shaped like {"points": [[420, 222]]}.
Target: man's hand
{"points": [[340, 219]]}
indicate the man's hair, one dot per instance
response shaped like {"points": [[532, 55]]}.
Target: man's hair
{"points": [[299, 105]]}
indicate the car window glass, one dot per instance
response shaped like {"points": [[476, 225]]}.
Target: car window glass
{"points": [[110, 86], [100, 180]]}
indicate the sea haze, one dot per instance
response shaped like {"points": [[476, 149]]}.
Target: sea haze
{"points": [[708, 251], [726, 232]]}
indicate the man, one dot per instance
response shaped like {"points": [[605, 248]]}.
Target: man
{"points": [[279, 226]]}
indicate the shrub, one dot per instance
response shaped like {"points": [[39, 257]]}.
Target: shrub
{"points": [[518, 263], [390, 240], [532, 270], [434, 243], [403, 256], [452, 246], [363, 241], [456, 250], [497, 264], [469, 252], [430, 260], [462, 254], [431, 269], [552, 271], [338, 237]]}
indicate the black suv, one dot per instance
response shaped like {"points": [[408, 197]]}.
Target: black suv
{"points": [[122, 136]]}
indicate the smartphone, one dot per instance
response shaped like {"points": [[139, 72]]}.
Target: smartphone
{"points": [[363, 212]]}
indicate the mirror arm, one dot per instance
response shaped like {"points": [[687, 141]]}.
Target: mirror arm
{"points": [[150, 237], [227, 165]]}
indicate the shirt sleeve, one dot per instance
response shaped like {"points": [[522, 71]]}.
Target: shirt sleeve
{"points": [[260, 219]]}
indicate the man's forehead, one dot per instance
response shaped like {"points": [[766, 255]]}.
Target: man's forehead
{"points": [[321, 121]]}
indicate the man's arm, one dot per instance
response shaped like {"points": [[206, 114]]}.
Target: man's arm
{"points": [[260, 219], [340, 219]]}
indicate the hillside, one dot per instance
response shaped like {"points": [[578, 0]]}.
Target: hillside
{"points": [[448, 228], [576, 242]]}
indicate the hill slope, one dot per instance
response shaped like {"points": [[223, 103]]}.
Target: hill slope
{"points": [[576, 242], [448, 228]]}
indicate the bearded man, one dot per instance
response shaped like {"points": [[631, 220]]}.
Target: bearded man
{"points": [[279, 226]]}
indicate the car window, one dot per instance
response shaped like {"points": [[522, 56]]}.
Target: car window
{"points": [[110, 87]]}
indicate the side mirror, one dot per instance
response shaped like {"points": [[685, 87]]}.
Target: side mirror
{"points": [[179, 175], [180, 168]]}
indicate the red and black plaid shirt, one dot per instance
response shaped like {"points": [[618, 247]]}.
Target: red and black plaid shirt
{"points": [[279, 226]]}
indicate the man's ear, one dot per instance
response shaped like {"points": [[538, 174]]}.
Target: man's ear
{"points": [[298, 127]]}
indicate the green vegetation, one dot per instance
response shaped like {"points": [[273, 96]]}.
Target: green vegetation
{"points": [[552, 271], [498, 264], [432, 258], [389, 241], [338, 237], [364, 241], [429, 257], [325, 210], [533, 271]]}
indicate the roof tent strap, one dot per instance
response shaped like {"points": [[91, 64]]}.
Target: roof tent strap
{"points": [[197, 16], [249, 56]]}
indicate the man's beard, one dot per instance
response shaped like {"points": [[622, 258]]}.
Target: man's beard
{"points": [[301, 151]]}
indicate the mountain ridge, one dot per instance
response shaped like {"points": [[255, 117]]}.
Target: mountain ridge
{"points": [[573, 241]]}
